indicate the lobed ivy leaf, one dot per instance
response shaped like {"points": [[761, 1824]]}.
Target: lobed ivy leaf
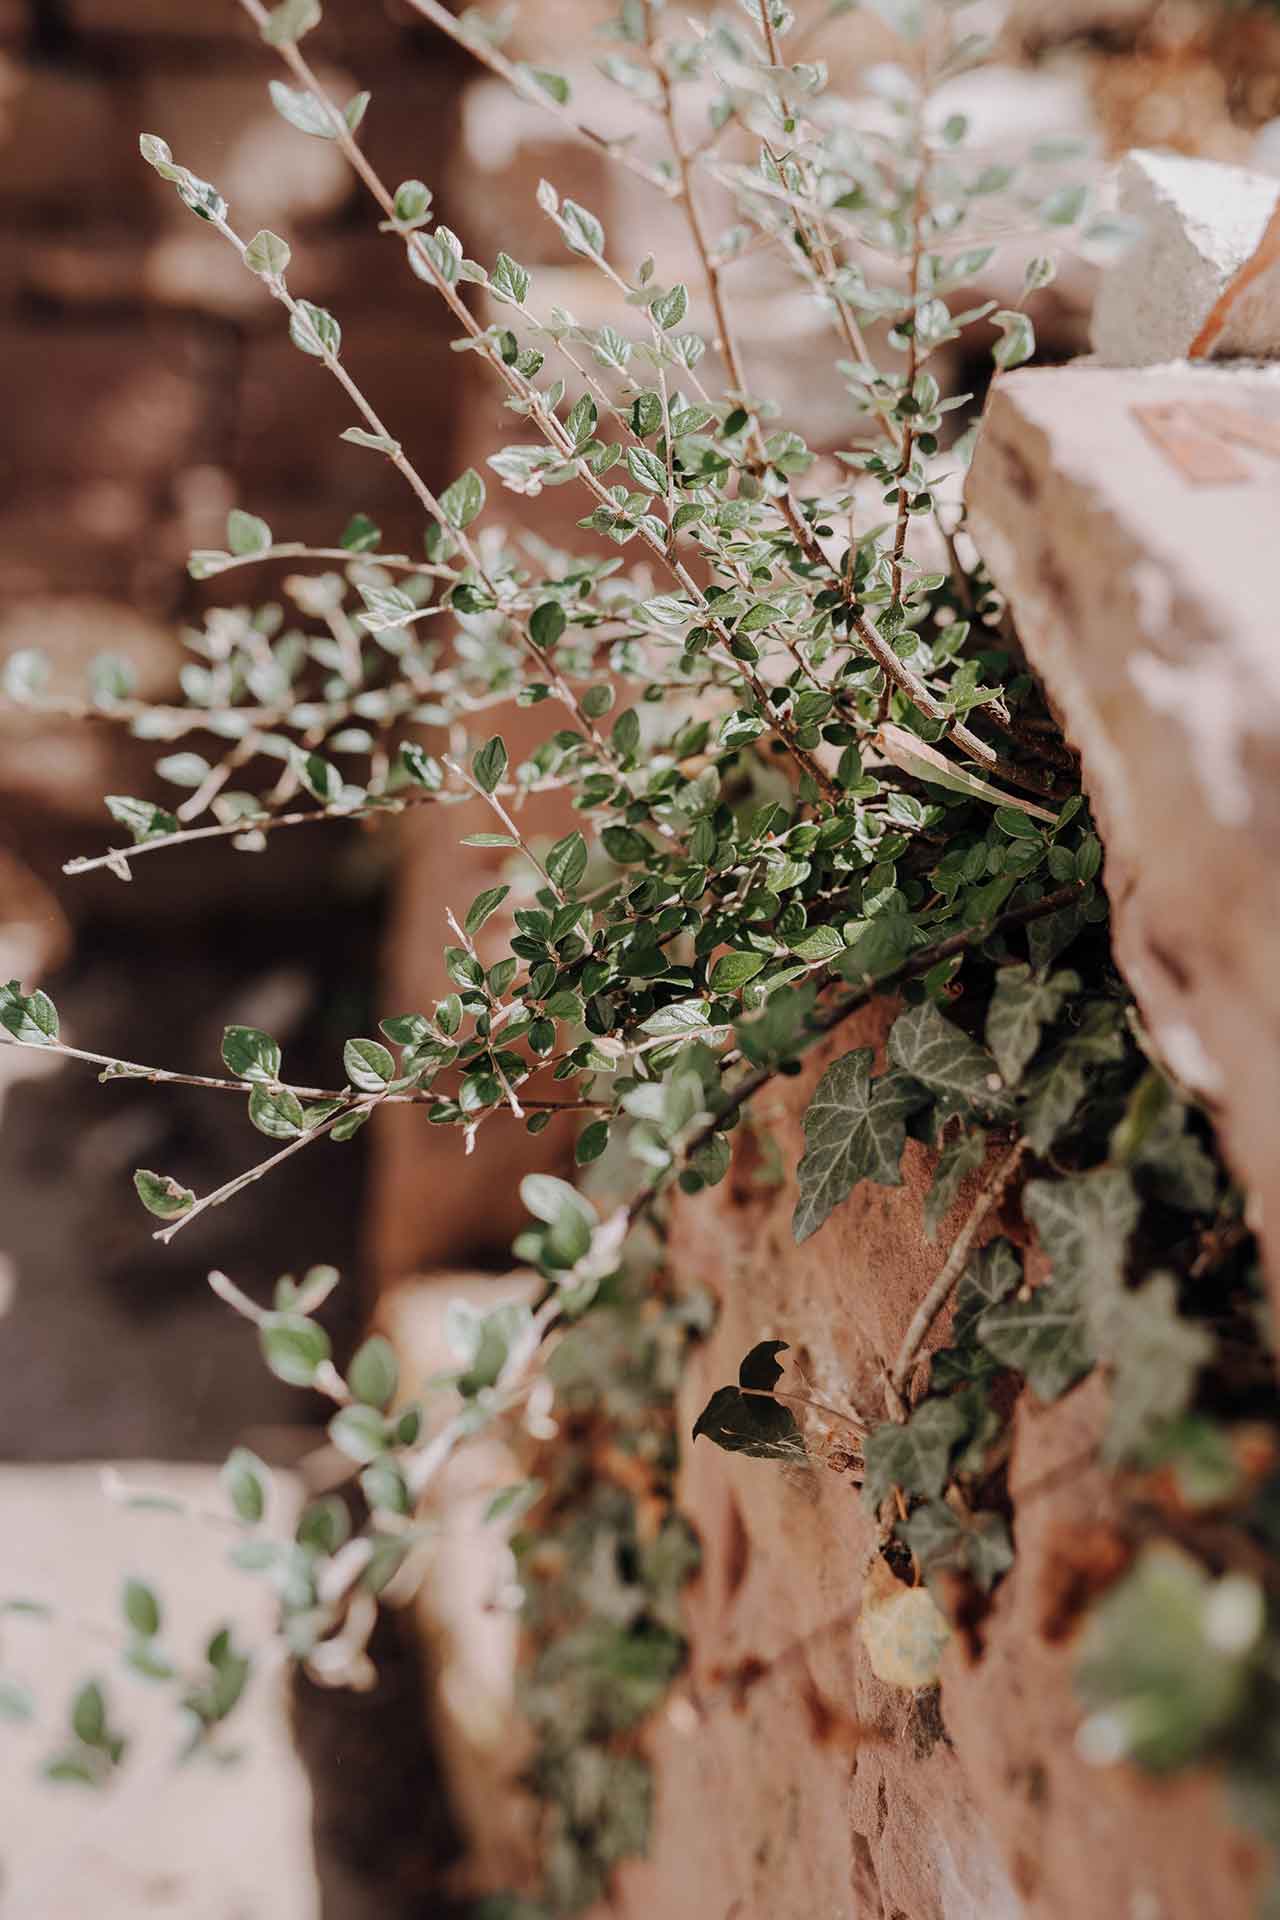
{"points": [[1022, 1004], [934, 1051], [855, 1129], [914, 1454]]}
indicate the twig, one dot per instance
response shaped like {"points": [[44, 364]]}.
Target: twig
{"points": [[940, 1292]]}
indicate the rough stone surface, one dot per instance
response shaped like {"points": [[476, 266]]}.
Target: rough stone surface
{"points": [[1145, 599], [1199, 223], [833, 1794], [178, 1843]]}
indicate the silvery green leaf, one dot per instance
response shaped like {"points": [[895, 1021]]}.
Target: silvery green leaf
{"points": [[1155, 1356], [251, 1054], [356, 108], [581, 229], [293, 1347], [914, 1454], [509, 280], [855, 1129], [669, 309], [463, 500], [278, 1114], [267, 254], [490, 763], [314, 330], [368, 1065], [31, 1018], [376, 442], [934, 1051], [1017, 340], [1044, 1338], [156, 152], [162, 1195], [246, 533], [1021, 1005], [412, 201], [144, 821], [1084, 1224], [290, 20], [302, 110]]}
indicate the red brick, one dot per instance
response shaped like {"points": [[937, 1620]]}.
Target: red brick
{"points": [[66, 140]]}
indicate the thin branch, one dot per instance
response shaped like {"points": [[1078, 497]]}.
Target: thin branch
{"points": [[528, 89], [940, 1292]]}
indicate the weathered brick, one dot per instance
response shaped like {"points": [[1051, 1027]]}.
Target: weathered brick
{"points": [[67, 141], [114, 401]]}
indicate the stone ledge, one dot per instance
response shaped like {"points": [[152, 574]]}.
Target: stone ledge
{"points": [[1131, 518]]}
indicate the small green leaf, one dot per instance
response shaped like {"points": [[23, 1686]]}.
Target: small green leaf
{"points": [[246, 1480], [1017, 342], [302, 110], [268, 255], [89, 1714], [315, 331], [251, 1054], [412, 201], [31, 1018], [483, 907], [490, 764], [733, 970], [368, 1065], [360, 1432], [162, 1195], [461, 502], [375, 442], [567, 861], [293, 1347], [914, 1454], [141, 1609], [934, 1051], [278, 1114], [509, 281], [669, 309], [374, 1373], [288, 22]]}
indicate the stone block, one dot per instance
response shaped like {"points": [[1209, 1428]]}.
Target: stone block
{"points": [[114, 401], [1131, 519], [1199, 222], [790, 1781], [199, 1842]]}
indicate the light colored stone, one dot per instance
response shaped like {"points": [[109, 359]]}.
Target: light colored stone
{"points": [[1145, 600], [199, 1842], [1199, 223]]}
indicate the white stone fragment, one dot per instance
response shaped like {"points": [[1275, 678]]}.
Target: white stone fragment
{"points": [[1200, 222]]}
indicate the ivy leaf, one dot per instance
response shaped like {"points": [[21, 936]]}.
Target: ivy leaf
{"points": [[1021, 1005], [1044, 1338], [1156, 1356], [935, 1052], [1084, 1224], [958, 1159], [990, 1276], [1054, 1092], [855, 1129], [914, 1454], [939, 1539], [741, 1420]]}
